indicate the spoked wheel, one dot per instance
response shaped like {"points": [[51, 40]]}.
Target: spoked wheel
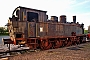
{"points": [[66, 42], [72, 41], [61, 43], [45, 45], [58, 43], [69, 43], [78, 40]]}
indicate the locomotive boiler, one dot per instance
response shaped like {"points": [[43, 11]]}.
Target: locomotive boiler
{"points": [[32, 28]]}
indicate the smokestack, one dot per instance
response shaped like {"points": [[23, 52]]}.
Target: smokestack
{"points": [[54, 18], [47, 16], [74, 19], [63, 19]]}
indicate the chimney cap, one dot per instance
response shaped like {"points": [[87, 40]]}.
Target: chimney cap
{"points": [[63, 15]]}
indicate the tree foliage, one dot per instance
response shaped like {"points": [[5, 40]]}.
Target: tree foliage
{"points": [[85, 31], [3, 31]]}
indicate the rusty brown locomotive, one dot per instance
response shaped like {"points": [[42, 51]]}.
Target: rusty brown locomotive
{"points": [[31, 27]]}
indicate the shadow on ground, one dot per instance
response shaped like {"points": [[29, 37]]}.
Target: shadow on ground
{"points": [[75, 48]]}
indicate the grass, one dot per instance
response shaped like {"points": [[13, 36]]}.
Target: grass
{"points": [[4, 34]]}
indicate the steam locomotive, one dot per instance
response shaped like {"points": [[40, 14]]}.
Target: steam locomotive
{"points": [[32, 28]]}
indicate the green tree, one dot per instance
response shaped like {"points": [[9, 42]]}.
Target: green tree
{"points": [[85, 31], [3, 31]]}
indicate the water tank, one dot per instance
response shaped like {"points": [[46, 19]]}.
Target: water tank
{"points": [[63, 19]]}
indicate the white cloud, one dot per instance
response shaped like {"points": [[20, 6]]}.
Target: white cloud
{"points": [[76, 3]]}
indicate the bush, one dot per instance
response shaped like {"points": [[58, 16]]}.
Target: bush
{"points": [[3, 31], [85, 31]]}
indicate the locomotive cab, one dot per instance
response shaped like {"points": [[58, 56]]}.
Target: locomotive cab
{"points": [[22, 24]]}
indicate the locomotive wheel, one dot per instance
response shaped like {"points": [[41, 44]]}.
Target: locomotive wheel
{"points": [[78, 40], [45, 45], [61, 43], [42, 45], [69, 43], [65, 43], [48, 47], [57, 44], [73, 41]]}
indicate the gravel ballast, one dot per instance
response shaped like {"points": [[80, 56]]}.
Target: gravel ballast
{"points": [[76, 52]]}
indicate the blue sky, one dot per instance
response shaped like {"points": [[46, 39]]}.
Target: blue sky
{"points": [[80, 8]]}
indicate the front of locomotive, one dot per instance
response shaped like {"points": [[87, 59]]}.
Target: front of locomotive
{"points": [[13, 24]]}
